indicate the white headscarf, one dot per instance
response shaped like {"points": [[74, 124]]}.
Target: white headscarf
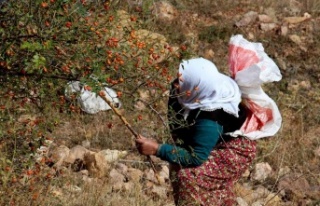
{"points": [[202, 86]]}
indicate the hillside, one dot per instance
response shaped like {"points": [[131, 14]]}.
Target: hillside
{"points": [[54, 153]]}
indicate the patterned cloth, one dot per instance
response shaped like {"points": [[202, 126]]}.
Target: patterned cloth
{"points": [[212, 182]]}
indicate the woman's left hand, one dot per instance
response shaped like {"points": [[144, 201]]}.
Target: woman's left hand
{"points": [[147, 146]]}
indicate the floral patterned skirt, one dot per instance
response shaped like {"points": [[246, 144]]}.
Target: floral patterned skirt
{"points": [[212, 182]]}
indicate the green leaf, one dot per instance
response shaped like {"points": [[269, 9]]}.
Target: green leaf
{"points": [[31, 46]]}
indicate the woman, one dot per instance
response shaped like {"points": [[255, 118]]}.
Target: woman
{"points": [[204, 106]]}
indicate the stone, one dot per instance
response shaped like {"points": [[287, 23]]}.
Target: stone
{"points": [[248, 18], [128, 186], [149, 175], [297, 20], [164, 172], [112, 155], [122, 168], [246, 174], [116, 180], [208, 54], [294, 186], [305, 84], [267, 26], [257, 203], [58, 154], [159, 191], [317, 152], [284, 30], [86, 144], [75, 153], [241, 202], [96, 164], [271, 13], [84, 172], [296, 39], [265, 18], [73, 188], [284, 171], [273, 199], [134, 175], [261, 171], [164, 11]]}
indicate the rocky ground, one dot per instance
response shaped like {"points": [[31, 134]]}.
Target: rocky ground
{"points": [[128, 179]]}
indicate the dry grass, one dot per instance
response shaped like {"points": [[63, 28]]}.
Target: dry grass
{"points": [[293, 146]]}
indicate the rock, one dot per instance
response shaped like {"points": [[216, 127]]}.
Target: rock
{"points": [[96, 164], [305, 84], [282, 64], [241, 202], [58, 154], [294, 186], [246, 174], [159, 42], [149, 175], [164, 172], [128, 186], [73, 188], [147, 35], [284, 30], [164, 11], [247, 19], [273, 199], [257, 203], [259, 195], [116, 180], [294, 8], [75, 153], [112, 155], [265, 18], [134, 175], [261, 171], [208, 54], [26, 119], [271, 13], [159, 191], [86, 144], [317, 152], [134, 3], [139, 106], [87, 179], [84, 172], [56, 192], [267, 26], [251, 36], [42, 151], [284, 171], [122, 168], [297, 20], [296, 39]]}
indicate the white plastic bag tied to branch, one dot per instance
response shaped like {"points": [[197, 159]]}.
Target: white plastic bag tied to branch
{"points": [[250, 67], [89, 101]]}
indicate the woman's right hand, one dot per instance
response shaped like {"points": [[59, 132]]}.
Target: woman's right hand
{"points": [[147, 146]]}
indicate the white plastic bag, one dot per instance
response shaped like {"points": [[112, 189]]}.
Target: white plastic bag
{"points": [[250, 67], [89, 101]]}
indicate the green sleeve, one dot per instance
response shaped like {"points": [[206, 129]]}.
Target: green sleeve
{"points": [[204, 136]]}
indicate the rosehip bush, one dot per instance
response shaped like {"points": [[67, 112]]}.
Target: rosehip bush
{"points": [[46, 43]]}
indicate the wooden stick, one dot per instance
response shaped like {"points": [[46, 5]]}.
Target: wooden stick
{"points": [[126, 123]]}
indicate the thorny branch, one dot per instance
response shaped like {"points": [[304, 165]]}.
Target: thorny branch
{"points": [[127, 124]]}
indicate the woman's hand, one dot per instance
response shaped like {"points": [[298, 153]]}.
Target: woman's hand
{"points": [[147, 146]]}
